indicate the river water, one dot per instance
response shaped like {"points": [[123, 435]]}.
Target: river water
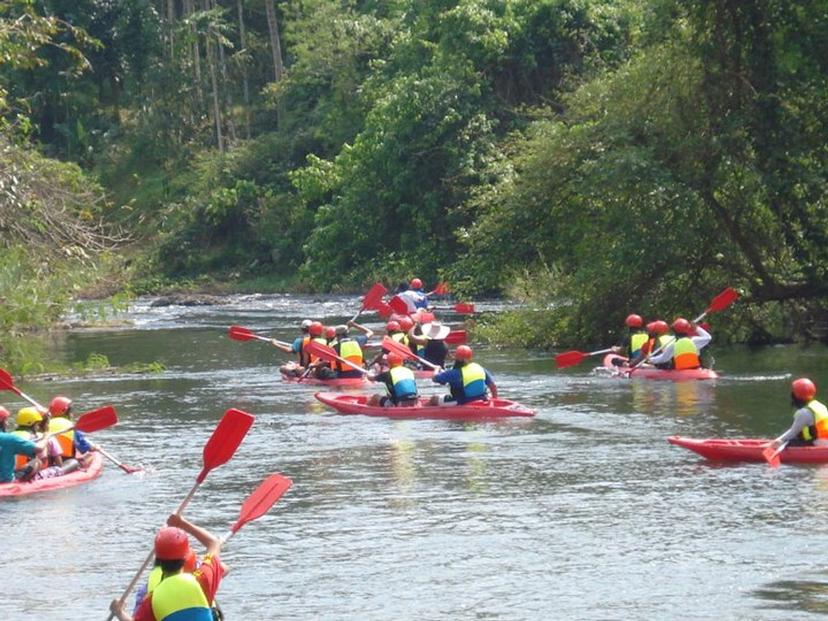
{"points": [[583, 512]]}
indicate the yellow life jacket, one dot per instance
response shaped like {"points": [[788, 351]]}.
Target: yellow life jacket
{"points": [[180, 598], [402, 379], [352, 352], [317, 339], [66, 439], [685, 354], [637, 340], [819, 430], [474, 380]]}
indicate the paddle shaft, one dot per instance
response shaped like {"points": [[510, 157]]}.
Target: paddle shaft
{"points": [[122, 466], [404, 351]]}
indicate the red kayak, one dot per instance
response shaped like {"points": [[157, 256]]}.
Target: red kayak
{"points": [[82, 475], [749, 449], [476, 410], [650, 372], [313, 381]]}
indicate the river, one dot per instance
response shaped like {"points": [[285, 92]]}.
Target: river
{"points": [[582, 512]]}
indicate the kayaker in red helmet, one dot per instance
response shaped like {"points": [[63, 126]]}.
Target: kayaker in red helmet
{"points": [[350, 349], [315, 366], [467, 380], [414, 296], [12, 445], [810, 420], [179, 594], [399, 382], [394, 331], [73, 443], [683, 352], [633, 341]]}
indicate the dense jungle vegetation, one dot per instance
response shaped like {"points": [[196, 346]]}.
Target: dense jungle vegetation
{"points": [[590, 156]]}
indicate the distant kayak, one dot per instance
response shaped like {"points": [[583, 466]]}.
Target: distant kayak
{"points": [[21, 488], [652, 373], [749, 449], [313, 381], [476, 410]]}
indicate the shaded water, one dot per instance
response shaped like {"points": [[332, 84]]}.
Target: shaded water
{"points": [[584, 512]]}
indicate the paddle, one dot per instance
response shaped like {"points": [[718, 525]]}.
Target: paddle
{"points": [[122, 466], [405, 351], [260, 501], [398, 305], [442, 288], [221, 446], [456, 337], [720, 302], [571, 358], [7, 383], [372, 299], [329, 354], [772, 456], [240, 333], [384, 310], [464, 308]]}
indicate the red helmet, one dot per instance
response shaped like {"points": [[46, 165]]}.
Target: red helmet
{"points": [[658, 327], [394, 359], [634, 321], [463, 352], [59, 406], [393, 326], [406, 323], [416, 283], [803, 389], [315, 329], [4, 413], [682, 326], [171, 544], [330, 332]]}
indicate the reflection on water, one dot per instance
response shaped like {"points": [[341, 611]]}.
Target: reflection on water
{"points": [[514, 519]]}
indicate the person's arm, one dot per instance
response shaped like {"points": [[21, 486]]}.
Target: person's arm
{"points": [[204, 536], [491, 384], [368, 332], [288, 349], [82, 444], [803, 418], [415, 338], [666, 354], [702, 338]]}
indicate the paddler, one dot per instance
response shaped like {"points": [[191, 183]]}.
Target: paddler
{"points": [[73, 443], [47, 463], [295, 368], [399, 382], [394, 331], [634, 340], [179, 595], [468, 381], [14, 447], [810, 420], [330, 335], [315, 366], [349, 348], [432, 340], [414, 296], [683, 352]]}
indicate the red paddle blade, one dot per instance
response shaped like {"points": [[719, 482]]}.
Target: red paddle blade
{"points": [[464, 308], [569, 358], [723, 300], [392, 345], [398, 305], [456, 337], [373, 298], [97, 419], [226, 438], [6, 381], [240, 334], [321, 351], [260, 501], [441, 289], [771, 456], [384, 310]]}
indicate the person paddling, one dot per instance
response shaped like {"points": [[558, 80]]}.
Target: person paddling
{"points": [[414, 296], [349, 348], [14, 447], [683, 352], [394, 331], [48, 463], [810, 420], [295, 368], [634, 340], [180, 595], [399, 382], [468, 381], [432, 341], [73, 443]]}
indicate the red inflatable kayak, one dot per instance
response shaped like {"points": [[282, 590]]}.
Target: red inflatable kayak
{"points": [[749, 449], [19, 488], [357, 404], [312, 381], [649, 372]]}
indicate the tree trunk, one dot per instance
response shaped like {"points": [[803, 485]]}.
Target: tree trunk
{"points": [[245, 82], [211, 66], [228, 100], [276, 47], [189, 9], [171, 27]]}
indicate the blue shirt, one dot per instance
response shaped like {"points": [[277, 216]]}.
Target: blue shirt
{"points": [[81, 443], [297, 344], [10, 446], [454, 378]]}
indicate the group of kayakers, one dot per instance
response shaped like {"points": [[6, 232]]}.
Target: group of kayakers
{"points": [[679, 345], [43, 445]]}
